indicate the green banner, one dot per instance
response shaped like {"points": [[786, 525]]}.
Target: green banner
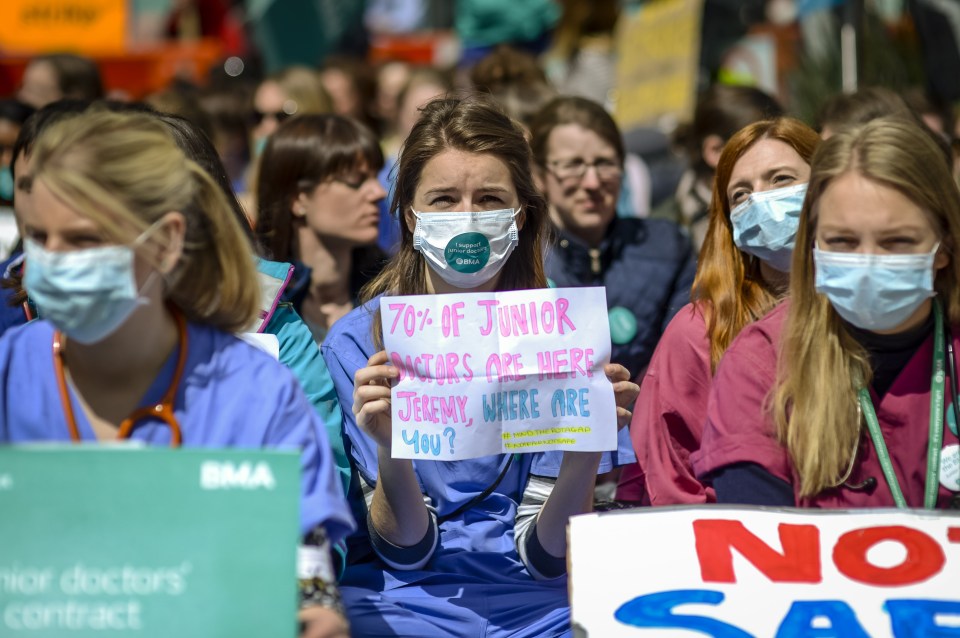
{"points": [[147, 542]]}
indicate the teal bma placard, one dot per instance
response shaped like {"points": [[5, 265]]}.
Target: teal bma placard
{"points": [[101, 540]]}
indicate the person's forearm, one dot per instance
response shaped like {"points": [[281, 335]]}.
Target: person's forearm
{"points": [[398, 511], [572, 495]]}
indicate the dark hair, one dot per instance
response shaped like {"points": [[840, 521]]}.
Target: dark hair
{"points": [[361, 78], [852, 109], [506, 66], [13, 110], [472, 124], [304, 152], [722, 111], [36, 123], [197, 146], [573, 110], [182, 101], [77, 77]]}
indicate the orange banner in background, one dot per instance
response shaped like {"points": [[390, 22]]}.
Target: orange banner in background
{"points": [[78, 26]]}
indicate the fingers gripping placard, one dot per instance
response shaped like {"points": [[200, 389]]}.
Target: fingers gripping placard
{"points": [[485, 373]]}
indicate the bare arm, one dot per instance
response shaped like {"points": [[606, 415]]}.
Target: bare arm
{"points": [[573, 492], [398, 512]]}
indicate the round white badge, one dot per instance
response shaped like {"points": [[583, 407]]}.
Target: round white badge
{"points": [[950, 467]]}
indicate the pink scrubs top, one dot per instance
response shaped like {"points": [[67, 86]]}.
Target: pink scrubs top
{"points": [[668, 417], [739, 430]]}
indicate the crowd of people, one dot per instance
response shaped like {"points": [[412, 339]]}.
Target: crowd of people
{"points": [[783, 316]]}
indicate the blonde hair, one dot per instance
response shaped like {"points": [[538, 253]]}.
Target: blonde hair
{"points": [[124, 170], [821, 367], [302, 85]]}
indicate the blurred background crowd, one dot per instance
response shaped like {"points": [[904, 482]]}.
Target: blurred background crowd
{"points": [[239, 68]]}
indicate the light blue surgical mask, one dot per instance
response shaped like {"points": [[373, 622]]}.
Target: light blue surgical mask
{"points": [[86, 294], [765, 225], [874, 292], [466, 249]]}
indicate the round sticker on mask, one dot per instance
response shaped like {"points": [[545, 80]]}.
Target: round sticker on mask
{"points": [[467, 252], [623, 325]]}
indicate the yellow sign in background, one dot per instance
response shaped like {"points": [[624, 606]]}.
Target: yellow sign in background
{"points": [[77, 26], [659, 53]]}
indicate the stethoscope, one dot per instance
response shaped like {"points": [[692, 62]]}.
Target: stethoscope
{"points": [[943, 327], [162, 410]]}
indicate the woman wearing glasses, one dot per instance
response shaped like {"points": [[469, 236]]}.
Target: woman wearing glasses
{"points": [[296, 90], [846, 394], [646, 265], [319, 200]]}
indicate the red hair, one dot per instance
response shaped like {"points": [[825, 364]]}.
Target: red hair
{"points": [[728, 284]]}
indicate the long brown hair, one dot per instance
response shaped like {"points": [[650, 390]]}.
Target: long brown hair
{"points": [[472, 124], [821, 366], [728, 282], [304, 152]]}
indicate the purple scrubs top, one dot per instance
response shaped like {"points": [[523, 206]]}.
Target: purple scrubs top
{"points": [[668, 417], [739, 429]]}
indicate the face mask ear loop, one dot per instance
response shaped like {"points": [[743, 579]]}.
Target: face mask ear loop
{"points": [[514, 231], [417, 230]]}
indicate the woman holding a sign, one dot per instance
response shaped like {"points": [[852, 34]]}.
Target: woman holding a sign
{"points": [[477, 546], [140, 272], [846, 395], [742, 273]]}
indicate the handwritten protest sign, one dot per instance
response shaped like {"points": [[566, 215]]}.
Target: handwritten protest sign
{"points": [[487, 373], [750, 572]]}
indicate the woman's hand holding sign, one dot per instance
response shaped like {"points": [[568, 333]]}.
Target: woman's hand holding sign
{"points": [[397, 510], [624, 390], [371, 398]]}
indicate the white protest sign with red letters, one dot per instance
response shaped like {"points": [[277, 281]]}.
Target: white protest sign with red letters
{"points": [[689, 572]]}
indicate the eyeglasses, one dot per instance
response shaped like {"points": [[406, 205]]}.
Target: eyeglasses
{"points": [[289, 110], [607, 169], [259, 116]]}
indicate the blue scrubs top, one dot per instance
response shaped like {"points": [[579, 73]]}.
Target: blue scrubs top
{"points": [[475, 584], [231, 395]]}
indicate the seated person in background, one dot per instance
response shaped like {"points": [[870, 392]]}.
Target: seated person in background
{"points": [[721, 111], [319, 199], [837, 398], [470, 547], [742, 273], [646, 265]]}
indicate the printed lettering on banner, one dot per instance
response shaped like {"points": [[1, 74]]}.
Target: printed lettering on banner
{"points": [[757, 573]]}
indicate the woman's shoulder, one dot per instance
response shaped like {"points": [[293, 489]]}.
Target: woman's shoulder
{"points": [[765, 332], [27, 341], [688, 325], [351, 336], [218, 356]]}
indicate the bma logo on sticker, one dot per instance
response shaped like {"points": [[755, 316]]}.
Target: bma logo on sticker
{"points": [[224, 475]]}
